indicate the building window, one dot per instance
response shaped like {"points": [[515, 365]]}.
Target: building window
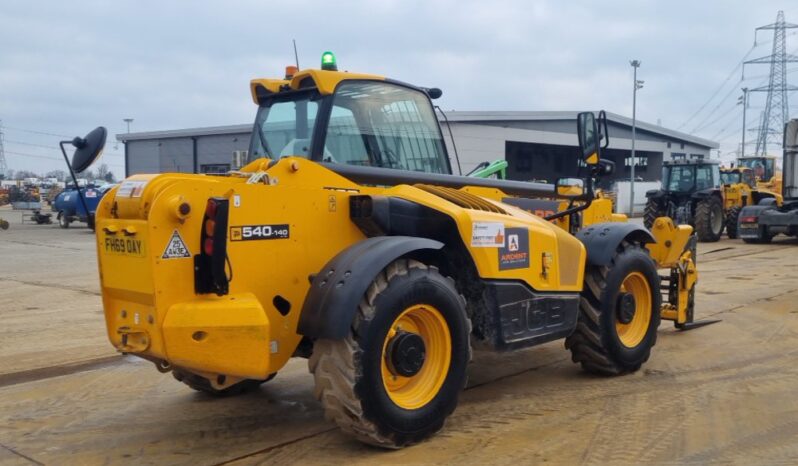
{"points": [[682, 146], [215, 168], [669, 144], [641, 164], [639, 161]]}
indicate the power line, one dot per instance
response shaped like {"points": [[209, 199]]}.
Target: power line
{"points": [[38, 132], [38, 156], [717, 91]]}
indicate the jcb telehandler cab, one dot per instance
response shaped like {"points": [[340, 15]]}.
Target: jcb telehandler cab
{"points": [[346, 240], [691, 195]]}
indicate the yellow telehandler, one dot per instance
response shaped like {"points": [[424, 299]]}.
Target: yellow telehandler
{"points": [[346, 240]]}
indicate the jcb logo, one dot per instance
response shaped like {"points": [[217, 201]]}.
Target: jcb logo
{"points": [[253, 232]]}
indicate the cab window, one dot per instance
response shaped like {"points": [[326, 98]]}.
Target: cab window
{"points": [[704, 177], [384, 125]]}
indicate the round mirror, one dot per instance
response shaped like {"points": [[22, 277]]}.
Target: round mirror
{"points": [[88, 149]]}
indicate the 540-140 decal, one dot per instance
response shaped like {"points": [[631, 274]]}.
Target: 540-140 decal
{"points": [[253, 232]]}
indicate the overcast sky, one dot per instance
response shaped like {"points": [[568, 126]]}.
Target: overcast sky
{"points": [[66, 67]]}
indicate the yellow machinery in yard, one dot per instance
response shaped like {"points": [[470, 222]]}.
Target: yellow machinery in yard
{"points": [[768, 176], [740, 188], [346, 240]]}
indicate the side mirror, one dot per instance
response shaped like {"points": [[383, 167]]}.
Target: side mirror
{"points": [[434, 92], [570, 187], [88, 149], [605, 168], [589, 140]]}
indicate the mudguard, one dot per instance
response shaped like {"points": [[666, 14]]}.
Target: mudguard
{"points": [[337, 289], [756, 210], [705, 193], [655, 194], [602, 239]]}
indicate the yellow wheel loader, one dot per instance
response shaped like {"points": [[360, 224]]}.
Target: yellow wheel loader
{"points": [[347, 241], [768, 176], [740, 188]]}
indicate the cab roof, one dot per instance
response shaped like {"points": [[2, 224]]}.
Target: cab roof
{"points": [[322, 80]]}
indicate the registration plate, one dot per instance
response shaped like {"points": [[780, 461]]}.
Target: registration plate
{"points": [[124, 246]]}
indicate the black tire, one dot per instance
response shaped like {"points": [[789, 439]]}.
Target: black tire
{"points": [[596, 343], [762, 236], [709, 219], [651, 213], [63, 219], [349, 372], [201, 384], [732, 216]]}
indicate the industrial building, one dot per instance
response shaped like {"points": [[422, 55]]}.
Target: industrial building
{"points": [[537, 145]]}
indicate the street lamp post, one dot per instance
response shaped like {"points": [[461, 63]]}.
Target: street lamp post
{"points": [[744, 101], [128, 121], [637, 85]]}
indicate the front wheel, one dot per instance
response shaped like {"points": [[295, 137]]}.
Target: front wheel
{"points": [[709, 219], [397, 376], [619, 313]]}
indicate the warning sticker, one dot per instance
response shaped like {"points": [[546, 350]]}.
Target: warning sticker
{"points": [[131, 188], [487, 235], [516, 254], [176, 248]]}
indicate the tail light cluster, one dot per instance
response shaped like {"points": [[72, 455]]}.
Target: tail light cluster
{"points": [[748, 219], [210, 274]]}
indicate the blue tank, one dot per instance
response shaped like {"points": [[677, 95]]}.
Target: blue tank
{"points": [[70, 209]]}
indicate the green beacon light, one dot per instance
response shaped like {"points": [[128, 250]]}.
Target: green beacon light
{"points": [[328, 62]]}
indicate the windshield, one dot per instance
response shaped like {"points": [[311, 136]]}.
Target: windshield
{"points": [[679, 178], [762, 166], [729, 177], [384, 125], [284, 126]]}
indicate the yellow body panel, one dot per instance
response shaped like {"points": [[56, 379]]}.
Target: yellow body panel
{"points": [[146, 294]]}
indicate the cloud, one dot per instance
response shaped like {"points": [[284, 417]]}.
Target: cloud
{"points": [[67, 67]]}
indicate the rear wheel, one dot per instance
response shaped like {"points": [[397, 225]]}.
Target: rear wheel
{"points": [[201, 384], [619, 313], [397, 376], [651, 213], [709, 219], [732, 216], [762, 236]]}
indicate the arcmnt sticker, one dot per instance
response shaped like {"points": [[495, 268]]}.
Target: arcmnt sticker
{"points": [[516, 254], [487, 235], [176, 248]]}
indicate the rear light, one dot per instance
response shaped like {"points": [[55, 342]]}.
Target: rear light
{"points": [[210, 272], [748, 219]]}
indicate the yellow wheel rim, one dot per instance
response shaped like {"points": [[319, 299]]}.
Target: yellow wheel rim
{"points": [[633, 333], [418, 390]]}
